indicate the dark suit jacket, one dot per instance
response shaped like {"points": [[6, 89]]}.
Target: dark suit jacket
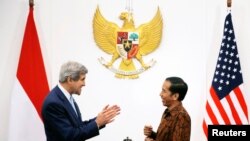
{"points": [[61, 122]]}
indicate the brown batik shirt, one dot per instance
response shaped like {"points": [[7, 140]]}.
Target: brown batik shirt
{"points": [[175, 125]]}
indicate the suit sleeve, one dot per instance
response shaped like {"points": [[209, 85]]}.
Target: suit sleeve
{"points": [[59, 121]]}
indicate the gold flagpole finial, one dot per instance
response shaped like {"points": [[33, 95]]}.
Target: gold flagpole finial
{"points": [[31, 3], [229, 3]]}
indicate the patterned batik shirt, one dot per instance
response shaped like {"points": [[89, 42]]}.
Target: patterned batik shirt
{"points": [[175, 125]]}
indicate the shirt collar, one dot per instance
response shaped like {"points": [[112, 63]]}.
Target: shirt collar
{"points": [[65, 92], [173, 110]]}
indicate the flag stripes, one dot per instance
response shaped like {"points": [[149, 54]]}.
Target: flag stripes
{"points": [[226, 104], [30, 89], [31, 71]]}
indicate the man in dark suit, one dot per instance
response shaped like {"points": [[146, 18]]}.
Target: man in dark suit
{"points": [[61, 116]]}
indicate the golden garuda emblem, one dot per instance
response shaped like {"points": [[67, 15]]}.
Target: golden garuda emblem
{"points": [[127, 43]]}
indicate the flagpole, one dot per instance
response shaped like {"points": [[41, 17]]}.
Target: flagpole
{"points": [[229, 3], [31, 3]]}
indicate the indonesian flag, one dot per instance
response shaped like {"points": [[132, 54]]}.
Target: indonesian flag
{"points": [[30, 89]]}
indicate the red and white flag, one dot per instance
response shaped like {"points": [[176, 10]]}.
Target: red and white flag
{"points": [[226, 104], [30, 89]]}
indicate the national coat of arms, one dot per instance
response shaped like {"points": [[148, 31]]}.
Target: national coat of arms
{"points": [[127, 42]]}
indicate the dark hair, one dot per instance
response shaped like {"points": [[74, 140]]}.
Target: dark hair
{"points": [[178, 86]]}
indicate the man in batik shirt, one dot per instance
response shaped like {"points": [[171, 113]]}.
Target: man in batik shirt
{"points": [[175, 122]]}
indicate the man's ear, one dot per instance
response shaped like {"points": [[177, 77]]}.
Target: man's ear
{"points": [[69, 79], [176, 96]]}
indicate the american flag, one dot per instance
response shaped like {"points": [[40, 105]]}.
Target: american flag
{"points": [[225, 103]]}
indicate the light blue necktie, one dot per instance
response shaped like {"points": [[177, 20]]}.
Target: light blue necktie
{"points": [[71, 99]]}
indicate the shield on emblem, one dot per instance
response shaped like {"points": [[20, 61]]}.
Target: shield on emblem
{"points": [[127, 44]]}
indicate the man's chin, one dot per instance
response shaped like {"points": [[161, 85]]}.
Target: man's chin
{"points": [[77, 93], [164, 104]]}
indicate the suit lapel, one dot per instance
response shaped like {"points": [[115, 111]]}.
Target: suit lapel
{"points": [[68, 106]]}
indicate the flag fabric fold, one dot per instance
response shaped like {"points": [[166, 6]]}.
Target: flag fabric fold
{"points": [[30, 89], [225, 103]]}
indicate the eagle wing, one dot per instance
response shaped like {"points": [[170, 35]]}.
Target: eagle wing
{"points": [[150, 34], [105, 33]]}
